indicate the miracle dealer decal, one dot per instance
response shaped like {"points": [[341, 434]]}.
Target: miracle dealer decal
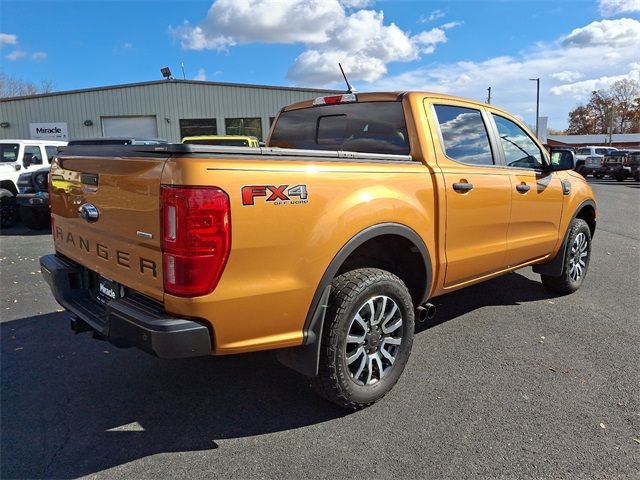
{"points": [[277, 195]]}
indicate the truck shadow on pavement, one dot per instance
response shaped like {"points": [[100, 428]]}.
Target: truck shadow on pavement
{"points": [[511, 289], [22, 230], [74, 406]]}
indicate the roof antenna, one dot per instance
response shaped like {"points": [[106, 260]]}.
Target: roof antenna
{"points": [[350, 89]]}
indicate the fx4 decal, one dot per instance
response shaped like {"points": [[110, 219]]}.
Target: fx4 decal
{"points": [[278, 195]]}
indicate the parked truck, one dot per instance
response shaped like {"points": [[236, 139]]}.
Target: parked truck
{"points": [[326, 244]]}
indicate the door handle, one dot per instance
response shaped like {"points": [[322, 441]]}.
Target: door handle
{"points": [[523, 188], [462, 186]]}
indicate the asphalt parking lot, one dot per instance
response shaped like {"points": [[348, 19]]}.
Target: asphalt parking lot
{"points": [[507, 382]]}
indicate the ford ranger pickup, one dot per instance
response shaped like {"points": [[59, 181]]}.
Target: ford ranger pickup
{"points": [[327, 244]]}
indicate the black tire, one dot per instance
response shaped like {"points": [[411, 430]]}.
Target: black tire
{"points": [[620, 176], [581, 170], [351, 294], [8, 209], [35, 218], [569, 281]]}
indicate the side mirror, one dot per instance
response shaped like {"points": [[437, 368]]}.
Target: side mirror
{"points": [[562, 160]]}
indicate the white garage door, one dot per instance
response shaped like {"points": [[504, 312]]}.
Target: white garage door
{"points": [[137, 127]]}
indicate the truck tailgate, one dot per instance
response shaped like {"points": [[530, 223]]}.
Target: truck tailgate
{"points": [[120, 239]]}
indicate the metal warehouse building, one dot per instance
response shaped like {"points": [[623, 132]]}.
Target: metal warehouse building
{"points": [[168, 109]]}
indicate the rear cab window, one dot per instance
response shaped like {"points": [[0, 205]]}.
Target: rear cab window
{"points": [[367, 127], [224, 142]]}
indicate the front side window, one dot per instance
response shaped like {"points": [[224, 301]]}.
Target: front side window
{"points": [[519, 150], [32, 152], [250, 127], [584, 151], [9, 152], [464, 135]]}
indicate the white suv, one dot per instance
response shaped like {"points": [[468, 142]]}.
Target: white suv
{"points": [[16, 157]]}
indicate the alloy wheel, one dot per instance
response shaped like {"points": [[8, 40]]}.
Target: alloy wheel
{"points": [[578, 256], [373, 340]]}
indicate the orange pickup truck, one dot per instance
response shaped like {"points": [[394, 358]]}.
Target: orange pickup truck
{"points": [[326, 244]]}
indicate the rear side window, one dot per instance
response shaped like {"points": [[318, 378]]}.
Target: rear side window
{"points": [[602, 151], [584, 151], [371, 127], [464, 135], [51, 152], [9, 152]]}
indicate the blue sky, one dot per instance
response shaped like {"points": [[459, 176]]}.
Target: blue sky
{"points": [[457, 47]]}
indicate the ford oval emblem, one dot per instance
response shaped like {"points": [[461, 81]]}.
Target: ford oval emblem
{"points": [[89, 212]]}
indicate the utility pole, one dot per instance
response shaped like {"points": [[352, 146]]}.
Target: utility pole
{"points": [[537, 80], [489, 95], [611, 124]]}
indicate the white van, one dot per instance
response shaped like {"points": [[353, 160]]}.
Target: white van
{"points": [[16, 157]]}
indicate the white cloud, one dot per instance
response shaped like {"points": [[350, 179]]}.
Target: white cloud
{"points": [[15, 55], [127, 45], [567, 76], [595, 63], [8, 39], [18, 53], [609, 8], [230, 22], [606, 33], [201, 75], [585, 87], [357, 3], [450, 25], [359, 39], [435, 15]]}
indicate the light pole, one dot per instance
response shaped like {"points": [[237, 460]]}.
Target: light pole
{"points": [[489, 95], [537, 80]]}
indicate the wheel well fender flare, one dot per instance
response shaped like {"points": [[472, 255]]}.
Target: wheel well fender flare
{"points": [[6, 193], [305, 359], [8, 186], [554, 267]]}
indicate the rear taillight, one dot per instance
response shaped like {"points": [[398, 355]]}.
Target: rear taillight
{"points": [[53, 219], [196, 238]]}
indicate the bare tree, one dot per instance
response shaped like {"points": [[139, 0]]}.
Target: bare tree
{"points": [[47, 86], [14, 87]]}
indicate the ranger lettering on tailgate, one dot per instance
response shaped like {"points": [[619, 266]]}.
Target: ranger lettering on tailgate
{"points": [[124, 259]]}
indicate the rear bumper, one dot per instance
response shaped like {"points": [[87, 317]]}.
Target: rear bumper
{"points": [[132, 321]]}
